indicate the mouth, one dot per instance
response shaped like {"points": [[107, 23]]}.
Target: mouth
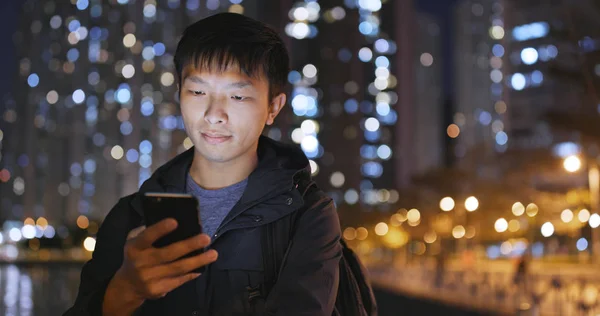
{"points": [[215, 139]]}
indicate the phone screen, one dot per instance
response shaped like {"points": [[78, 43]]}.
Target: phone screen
{"points": [[181, 207]]}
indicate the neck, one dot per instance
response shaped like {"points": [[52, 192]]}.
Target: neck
{"points": [[217, 175]]}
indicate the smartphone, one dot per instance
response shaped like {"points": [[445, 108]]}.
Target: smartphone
{"points": [[181, 207]]}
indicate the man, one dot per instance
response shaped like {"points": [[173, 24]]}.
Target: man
{"points": [[232, 71]]}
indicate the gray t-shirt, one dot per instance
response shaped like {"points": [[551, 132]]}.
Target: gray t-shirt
{"points": [[215, 204]]}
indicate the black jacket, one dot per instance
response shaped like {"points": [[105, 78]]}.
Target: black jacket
{"points": [[308, 282]]}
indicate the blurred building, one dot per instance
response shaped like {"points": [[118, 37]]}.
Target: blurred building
{"points": [[428, 142], [480, 108], [366, 107], [530, 90], [345, 99], [541, 36], [93, 111]]}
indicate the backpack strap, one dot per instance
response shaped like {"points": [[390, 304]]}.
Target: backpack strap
{"points": [[278, 237]]}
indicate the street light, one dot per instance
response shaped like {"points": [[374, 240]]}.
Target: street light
{"points": [[572, 163]]}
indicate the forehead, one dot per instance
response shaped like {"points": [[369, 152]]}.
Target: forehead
{"points": [[230, 72]]}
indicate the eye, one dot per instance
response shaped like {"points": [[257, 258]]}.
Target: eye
{"points": [[197, 92], [239, 98]]}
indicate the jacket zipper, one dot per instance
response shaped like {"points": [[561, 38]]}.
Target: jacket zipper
{"points": [[218, 233]]}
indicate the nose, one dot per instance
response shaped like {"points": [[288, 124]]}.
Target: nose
{"points": [[215, 112]]}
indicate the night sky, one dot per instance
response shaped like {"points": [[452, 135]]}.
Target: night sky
{"points": [[442, 10]]}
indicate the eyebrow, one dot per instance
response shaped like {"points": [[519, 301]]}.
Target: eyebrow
{"points": [[237, 84]]}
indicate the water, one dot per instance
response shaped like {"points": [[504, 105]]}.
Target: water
{"points": [[47, 289], [50, 289]]}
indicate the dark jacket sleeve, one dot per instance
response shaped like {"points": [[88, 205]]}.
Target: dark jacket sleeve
{"points": [[308, 282], [106, 259]]}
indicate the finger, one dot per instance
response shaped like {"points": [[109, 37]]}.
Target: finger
{"points": [[182, 266], [165, 286], [179, 249], [135, 232], [152, 233]]}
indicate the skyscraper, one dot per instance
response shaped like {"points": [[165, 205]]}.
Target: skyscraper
{"points": [[532, 50], [428, 128], [479, 122], [103, 105], [344, 98], [94, 106]]}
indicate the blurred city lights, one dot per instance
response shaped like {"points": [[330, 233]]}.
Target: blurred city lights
{"points": [[381, 229], [397, 220], [14, 234], [458, 231], [584, 215], [89, 244], [529, 55], [518, 81], [518, 209], [453, 131], [532, 209], [582, 244], [572, 163], [471, 231], [117, 152], [471, 204], [28, 231], [430, 237], [361, 233], [447, 204], [566, 216], [82, 222], [530, 31], [497, 32], [501, 225], [506, 248], [337, 179], [594, 221], [413, 215], [350, 233], [547, 229], [314, 167], [514, 225]]}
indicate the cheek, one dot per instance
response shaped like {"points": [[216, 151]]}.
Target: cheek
{"points": [[190, 116]]}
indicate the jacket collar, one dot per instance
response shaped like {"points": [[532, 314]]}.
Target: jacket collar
{"points": [[280, 168]]}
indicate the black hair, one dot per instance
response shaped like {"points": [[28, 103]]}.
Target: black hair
{"points": [[228, 39]]}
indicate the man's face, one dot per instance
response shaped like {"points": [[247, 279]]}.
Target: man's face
{"points": [[225, 112]]}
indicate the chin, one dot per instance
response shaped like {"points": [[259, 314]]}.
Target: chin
{"points": [[212, 155]]}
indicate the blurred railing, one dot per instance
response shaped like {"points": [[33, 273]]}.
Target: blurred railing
{"points": [[491, 288], [41, 286]]}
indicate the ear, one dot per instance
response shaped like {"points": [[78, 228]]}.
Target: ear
{"points": [[277, 103]]}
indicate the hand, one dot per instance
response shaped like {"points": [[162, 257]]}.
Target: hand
{"points": [[150, 273]]}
